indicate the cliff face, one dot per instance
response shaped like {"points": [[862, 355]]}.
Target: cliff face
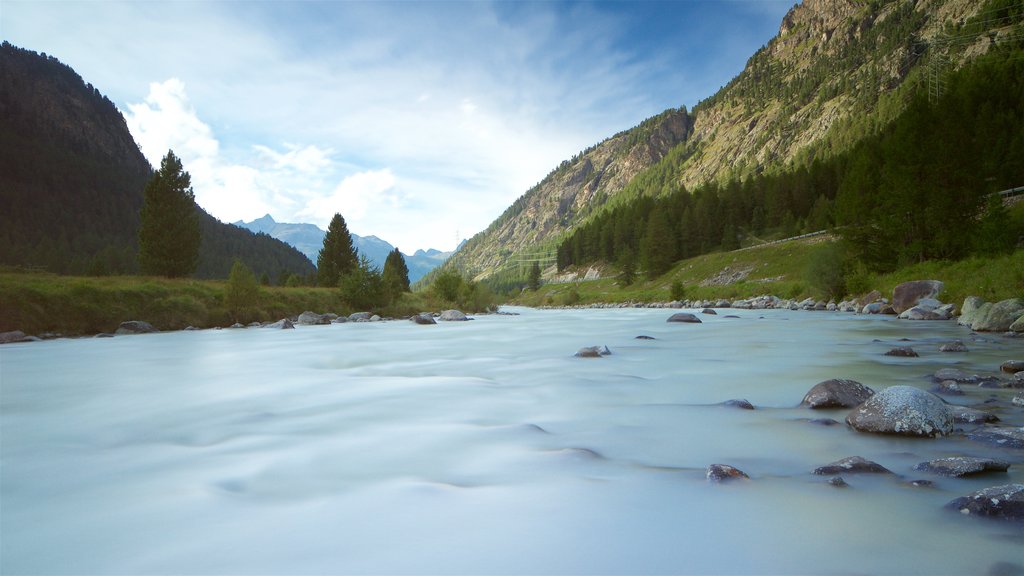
{"points": [[573, 191]]}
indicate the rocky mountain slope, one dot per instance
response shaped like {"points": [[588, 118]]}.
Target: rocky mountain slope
{"points": [[72, 177], [836, 72]]}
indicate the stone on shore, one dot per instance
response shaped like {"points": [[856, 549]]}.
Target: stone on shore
{"points": [[684, 317], [991, 317], [724, 472], [308, 318], [453, 316], [904, 411], [11, 337], [837, 393], [907, 295], [424, 319], [135, 327], [960, 466], [282, 324], [852, 465], [1006, 502]]}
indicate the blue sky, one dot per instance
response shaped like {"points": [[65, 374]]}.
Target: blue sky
{"points": [[420, 122]]}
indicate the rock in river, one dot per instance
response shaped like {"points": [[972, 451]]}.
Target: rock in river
{"points": [[837, 393], [684, 317], [1006, 501], [960, 466], [902, 410], [852, 465], [425, 319], [1002, 436], [1012, 366], [593, 352], [723, 472], [902, 351]]}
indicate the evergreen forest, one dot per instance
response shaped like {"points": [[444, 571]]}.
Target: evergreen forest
{"points": [[920, 188]]}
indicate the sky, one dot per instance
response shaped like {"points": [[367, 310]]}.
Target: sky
{"points": [[418, 122]]}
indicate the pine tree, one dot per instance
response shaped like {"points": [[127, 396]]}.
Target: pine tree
{"points": [[337, 257], [396, 275], [169, 234], [533, 283], [657, 250], [242, 294], [361, 287]]}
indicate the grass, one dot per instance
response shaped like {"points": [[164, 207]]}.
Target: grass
{"points": [[780, 270], [37, 303]]}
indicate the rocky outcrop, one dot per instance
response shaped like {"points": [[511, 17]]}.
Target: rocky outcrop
{"points": [[904, 411], [724, 472], [684, 317], [907, 295], [1006, 502], [837, 393], [960, 466], [135, 327], [852, 465]]}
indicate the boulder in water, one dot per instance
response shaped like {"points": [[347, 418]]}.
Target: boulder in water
{"points": [[1006, 501], [903, 352], [960, 466], [902, 410], [837, 393], [724, 472], [852, 465], [685, 317], [593, 352], [282, 324]]}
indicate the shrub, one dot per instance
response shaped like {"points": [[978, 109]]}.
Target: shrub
{"points": [[242, 294], [677, 291]]}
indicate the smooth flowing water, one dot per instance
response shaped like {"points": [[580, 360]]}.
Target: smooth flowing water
{"points": [[481, 447]]}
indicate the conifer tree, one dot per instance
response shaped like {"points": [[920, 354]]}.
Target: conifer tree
{"points": [[533, 282], [396, 274], [337, 257], [242, 294], [657, 250], [169, 234]]}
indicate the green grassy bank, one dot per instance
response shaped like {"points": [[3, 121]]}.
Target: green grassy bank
{"points": [[782, 270], [36, 303]]}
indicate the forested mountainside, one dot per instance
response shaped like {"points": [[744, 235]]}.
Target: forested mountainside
{"points": [[72, 177], [838, 71]]}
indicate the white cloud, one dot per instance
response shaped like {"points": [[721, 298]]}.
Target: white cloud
{"points": [[299, 109], [355, 197]]}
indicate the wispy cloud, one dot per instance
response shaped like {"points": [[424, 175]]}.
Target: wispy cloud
{"points": [[415, 119]]}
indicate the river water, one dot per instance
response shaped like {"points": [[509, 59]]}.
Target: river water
{"points": [[482, 447]]}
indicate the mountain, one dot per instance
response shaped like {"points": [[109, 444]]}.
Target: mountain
{"points": [[309, 238], [836, 72], [72, 177]]}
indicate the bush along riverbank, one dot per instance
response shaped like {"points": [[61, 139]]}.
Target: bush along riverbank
{"points": [[43, 305]]}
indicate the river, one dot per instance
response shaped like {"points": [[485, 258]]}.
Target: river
{"points": [[483, 447]]}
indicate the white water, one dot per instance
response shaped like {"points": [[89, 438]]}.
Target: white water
{"points": [[480, 447]]}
